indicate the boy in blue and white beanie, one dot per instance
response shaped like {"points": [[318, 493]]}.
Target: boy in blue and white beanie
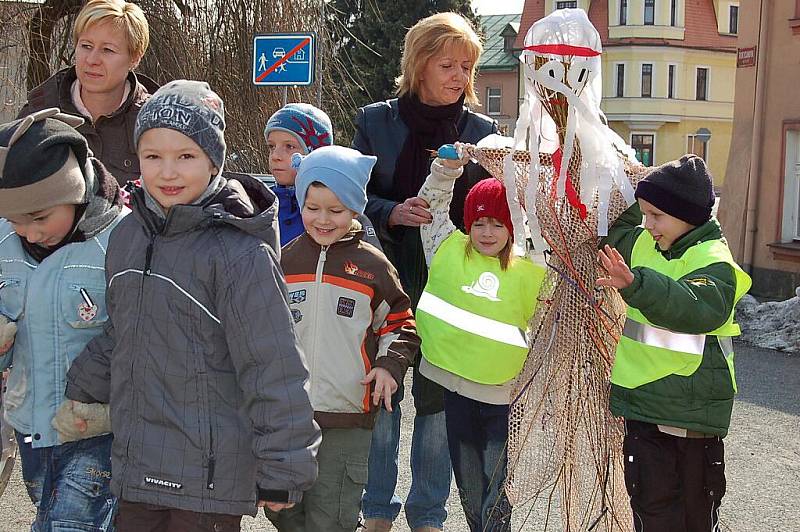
{"points": [[295, 128], [355, 325]]}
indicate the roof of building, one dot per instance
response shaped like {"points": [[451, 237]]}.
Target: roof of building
{"points": [[495, 57], [700, 26]]}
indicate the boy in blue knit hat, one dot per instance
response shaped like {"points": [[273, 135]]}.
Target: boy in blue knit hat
{"points": [[294, 128], [355, 325]]}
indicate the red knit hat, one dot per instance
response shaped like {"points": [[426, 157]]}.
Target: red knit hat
{"points": [[487, 198]]}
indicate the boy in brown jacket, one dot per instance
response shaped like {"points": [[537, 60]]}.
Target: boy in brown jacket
{"points": [[355, 324]]}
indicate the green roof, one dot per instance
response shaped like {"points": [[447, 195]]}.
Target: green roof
{"points": [[494, 56]]}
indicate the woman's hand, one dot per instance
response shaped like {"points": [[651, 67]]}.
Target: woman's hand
{"points": [[275, 506], [618, 275], [413, 212], [385, 386]]}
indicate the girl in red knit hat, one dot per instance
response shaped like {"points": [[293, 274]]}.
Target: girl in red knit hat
{"points": [[473, 320]]}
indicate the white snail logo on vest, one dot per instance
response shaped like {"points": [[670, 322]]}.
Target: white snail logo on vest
{"points": [[486, 286]]}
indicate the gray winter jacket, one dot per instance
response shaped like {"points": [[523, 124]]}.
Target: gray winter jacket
{"points": [[199, 360]]}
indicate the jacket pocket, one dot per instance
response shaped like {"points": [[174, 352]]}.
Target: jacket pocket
{"points": [[631, 455], [353, 482], [84, 306], [12, 297], [715, 483]]}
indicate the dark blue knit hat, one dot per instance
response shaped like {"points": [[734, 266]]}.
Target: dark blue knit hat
{"points": [[683, 189], [311, 126], [188, 107]]}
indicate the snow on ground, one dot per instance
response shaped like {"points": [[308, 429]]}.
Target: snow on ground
{"points": [[773, 325]]}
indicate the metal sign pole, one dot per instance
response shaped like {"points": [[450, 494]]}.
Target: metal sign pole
{"points": [[285, 95]]}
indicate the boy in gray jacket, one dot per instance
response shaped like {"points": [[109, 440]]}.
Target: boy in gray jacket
{"points": [[199, 360]]}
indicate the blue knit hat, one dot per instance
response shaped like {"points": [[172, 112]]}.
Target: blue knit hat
{"points": [[343, 170], [188, 107], [311, 126]]}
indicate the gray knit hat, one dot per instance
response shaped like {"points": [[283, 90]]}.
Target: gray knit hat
{"points": [[683, 189], [189, 107], [42, 161]]}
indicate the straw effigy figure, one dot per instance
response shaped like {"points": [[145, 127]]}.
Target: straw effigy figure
{"points": [[564, 444]]}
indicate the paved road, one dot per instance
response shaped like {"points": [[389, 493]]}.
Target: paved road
{"points": [[763, 456]]}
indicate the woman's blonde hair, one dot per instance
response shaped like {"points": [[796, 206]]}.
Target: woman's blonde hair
{"points": [[126, 16], [433, 35]]}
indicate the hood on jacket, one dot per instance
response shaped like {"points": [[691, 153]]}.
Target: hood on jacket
{"points": [[243, 202]]}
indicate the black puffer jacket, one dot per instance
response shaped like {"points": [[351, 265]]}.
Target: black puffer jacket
{"points": [[207, 380], [110, 137]]}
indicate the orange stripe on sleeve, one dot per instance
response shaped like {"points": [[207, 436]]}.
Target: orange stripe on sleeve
{"points": [[300, 278], [393, 326], [368, 368], [399, 315]]}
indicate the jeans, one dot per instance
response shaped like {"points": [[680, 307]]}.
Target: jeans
{"points": [[70, 484], [477, 434], [430, 469]]}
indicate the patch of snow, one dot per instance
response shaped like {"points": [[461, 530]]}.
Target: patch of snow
{"points": [[772, 325]]}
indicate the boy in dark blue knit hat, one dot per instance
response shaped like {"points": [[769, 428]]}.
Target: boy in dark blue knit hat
{"points": [[209, 408], [673, 379], [294, 128]]}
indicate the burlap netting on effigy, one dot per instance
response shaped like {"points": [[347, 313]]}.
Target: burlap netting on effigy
{"points": [[564, 445]]}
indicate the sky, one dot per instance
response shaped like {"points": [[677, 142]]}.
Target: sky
{"points": [[497, 7]]}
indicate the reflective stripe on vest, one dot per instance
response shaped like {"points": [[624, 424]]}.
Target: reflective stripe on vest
{"points": [[647, 353], [657, 337], [467, 321]]}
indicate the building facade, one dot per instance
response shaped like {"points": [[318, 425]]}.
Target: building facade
{"points": [[497, 83], [760, 206], [668, 71]]}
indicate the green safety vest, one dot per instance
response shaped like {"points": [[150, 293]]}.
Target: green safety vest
{"points": [[473, 316], [646, 352]]}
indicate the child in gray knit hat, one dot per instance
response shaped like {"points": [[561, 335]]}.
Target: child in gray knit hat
{"points": [[210, 413], [673, 378], [59, 206]]}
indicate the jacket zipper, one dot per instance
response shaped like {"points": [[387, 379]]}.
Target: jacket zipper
{"points": [[211, 458], [323, 255], [145, 272]]}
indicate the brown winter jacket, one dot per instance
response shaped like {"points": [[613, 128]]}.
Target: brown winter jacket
{"points": [[351, 315], [111, 137]]}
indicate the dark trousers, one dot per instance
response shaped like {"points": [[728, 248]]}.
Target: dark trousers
{"points": [[676, 484], [477, 434], [139, 517]]}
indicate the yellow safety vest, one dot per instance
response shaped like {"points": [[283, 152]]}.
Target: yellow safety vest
{"points": [[646, 352], [473, 316]]}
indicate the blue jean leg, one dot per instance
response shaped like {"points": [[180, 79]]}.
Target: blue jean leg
{"points": [[380, 501], [477, 434], [431, 472], [70, 484]]}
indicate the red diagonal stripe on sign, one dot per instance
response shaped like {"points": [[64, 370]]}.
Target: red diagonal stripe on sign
{"points": [[283, 59]]}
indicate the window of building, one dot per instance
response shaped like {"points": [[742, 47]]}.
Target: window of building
{"points": [[623, 12], [567, 5], [671, 81], [701, 90], [508, 43], [647, 81], [494, 99], [649, 12], [620, 89], [790, 226], [733, 20], [643, 145], [697, 147], [673, 13]]}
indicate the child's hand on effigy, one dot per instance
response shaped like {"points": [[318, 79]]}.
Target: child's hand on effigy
{"points": [[453, 155], [618, 274], [385, 386]]}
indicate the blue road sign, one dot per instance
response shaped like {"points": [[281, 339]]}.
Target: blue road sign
{"points": [[283, 59]]}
